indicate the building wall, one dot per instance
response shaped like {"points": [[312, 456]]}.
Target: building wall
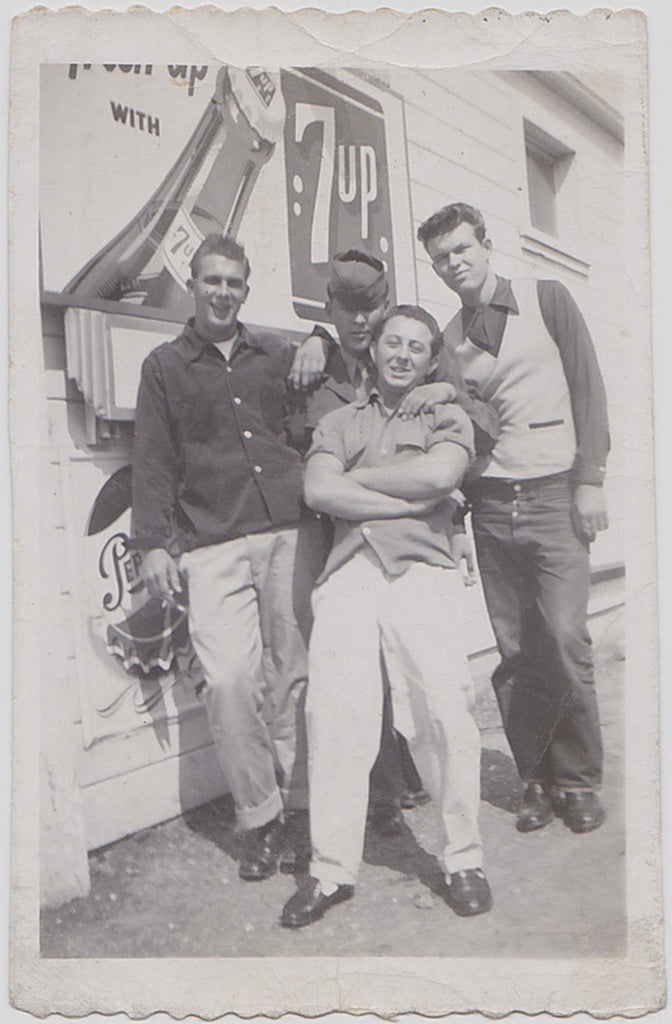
{"points": [[465, 141]]}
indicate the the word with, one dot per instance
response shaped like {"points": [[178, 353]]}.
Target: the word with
{"points": [[135, 118]]}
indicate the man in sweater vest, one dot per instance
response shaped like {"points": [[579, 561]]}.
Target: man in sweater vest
{"points": [[536, 506]]}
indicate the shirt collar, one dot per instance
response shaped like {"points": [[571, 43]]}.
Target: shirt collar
{"points": [[503, 297], [198, 345], [372, 396]]}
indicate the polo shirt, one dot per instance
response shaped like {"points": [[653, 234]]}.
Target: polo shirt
{"points": [[365, 434], [211, 460], [336, 387]]}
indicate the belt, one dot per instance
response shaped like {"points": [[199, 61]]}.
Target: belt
{"points": [[507, 489]]}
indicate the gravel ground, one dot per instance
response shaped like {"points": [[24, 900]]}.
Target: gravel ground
{"points": [[173, 890]]}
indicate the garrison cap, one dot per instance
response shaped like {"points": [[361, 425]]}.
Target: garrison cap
{"points": [[357, 280]]}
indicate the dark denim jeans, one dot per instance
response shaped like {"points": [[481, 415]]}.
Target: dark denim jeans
{"points": [[535, 574]]}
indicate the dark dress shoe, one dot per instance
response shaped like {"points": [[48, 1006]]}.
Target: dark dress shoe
{"points": [[261, 851], [296, 850], [310, 904], [386, 818], [536, 810], [469, 893], [411, 798], [583, 811]]}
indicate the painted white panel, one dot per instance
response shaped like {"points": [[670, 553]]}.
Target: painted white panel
{"points": [[154, 793]]}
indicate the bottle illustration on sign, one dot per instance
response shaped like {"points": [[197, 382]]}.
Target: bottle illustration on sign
{"points": [[337, 182], [206, 191]]}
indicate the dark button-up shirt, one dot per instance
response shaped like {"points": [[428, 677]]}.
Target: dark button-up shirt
{"points": [[364, 434], [210, 456], [309, 406], [485, 326]]}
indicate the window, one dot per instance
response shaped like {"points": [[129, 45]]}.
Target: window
{"points": [[548, 162]]}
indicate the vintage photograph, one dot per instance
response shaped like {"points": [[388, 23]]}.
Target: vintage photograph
{"points": [[335, 491]]}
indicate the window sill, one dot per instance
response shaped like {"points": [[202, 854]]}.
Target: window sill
{"points": [[550, 250]]}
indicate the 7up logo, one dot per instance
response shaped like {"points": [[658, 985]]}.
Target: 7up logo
{"points": [[336, 178]]}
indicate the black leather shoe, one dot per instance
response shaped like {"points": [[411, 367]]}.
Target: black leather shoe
{"points": [[296, 850], [310, 904], [411, 798], [261, 851], [536, 809], [386, 818], [469, 892], [583, 811]]}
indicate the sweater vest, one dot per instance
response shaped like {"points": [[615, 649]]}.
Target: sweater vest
{"points": [[526, 384]]}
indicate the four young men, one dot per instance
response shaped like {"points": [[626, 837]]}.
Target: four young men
{"points": [[218, 510]]}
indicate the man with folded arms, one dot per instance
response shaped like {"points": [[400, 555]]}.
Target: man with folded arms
{"points": [[357, 299], [390, 595]]}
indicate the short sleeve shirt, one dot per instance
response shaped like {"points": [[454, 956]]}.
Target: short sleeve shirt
{"points": [[364, 434]]}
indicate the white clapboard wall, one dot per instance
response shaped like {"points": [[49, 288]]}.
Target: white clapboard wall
{"points": [[465, 136]]}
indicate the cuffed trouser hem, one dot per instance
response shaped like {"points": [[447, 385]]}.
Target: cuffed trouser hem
{"points": [[333, 874], [295, 799], [571, 787], [467, 862], [255, 817]]}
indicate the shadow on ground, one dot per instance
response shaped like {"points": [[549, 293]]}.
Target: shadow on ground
{"points": [[173, 890]]}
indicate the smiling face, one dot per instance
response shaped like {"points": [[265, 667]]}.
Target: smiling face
{"points": [[402, 356], [461, 260], [219, 290], [355, 327]]}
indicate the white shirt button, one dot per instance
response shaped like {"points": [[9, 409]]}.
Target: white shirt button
{"points": [[237, 401], [228, 369], [514, 514], [247, 434], [257, 469], [516, 488], [366, 530]]}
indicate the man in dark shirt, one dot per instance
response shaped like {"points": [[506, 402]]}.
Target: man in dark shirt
{"points": [[389, 596], [216, 503], [537, 505]]}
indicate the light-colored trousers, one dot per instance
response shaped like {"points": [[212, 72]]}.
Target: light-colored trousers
{"points": [[244, 630], [414, 624]]}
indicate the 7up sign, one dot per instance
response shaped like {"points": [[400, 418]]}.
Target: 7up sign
{"points": [[337, 183]]}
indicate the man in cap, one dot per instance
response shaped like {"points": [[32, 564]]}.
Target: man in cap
{"points": [[358, 292], [216, 504], [389, 597], [357, 300]]}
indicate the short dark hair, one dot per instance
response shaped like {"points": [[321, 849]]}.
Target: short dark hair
{"points": [[450, 217], [219, 245], [412, 313]]}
